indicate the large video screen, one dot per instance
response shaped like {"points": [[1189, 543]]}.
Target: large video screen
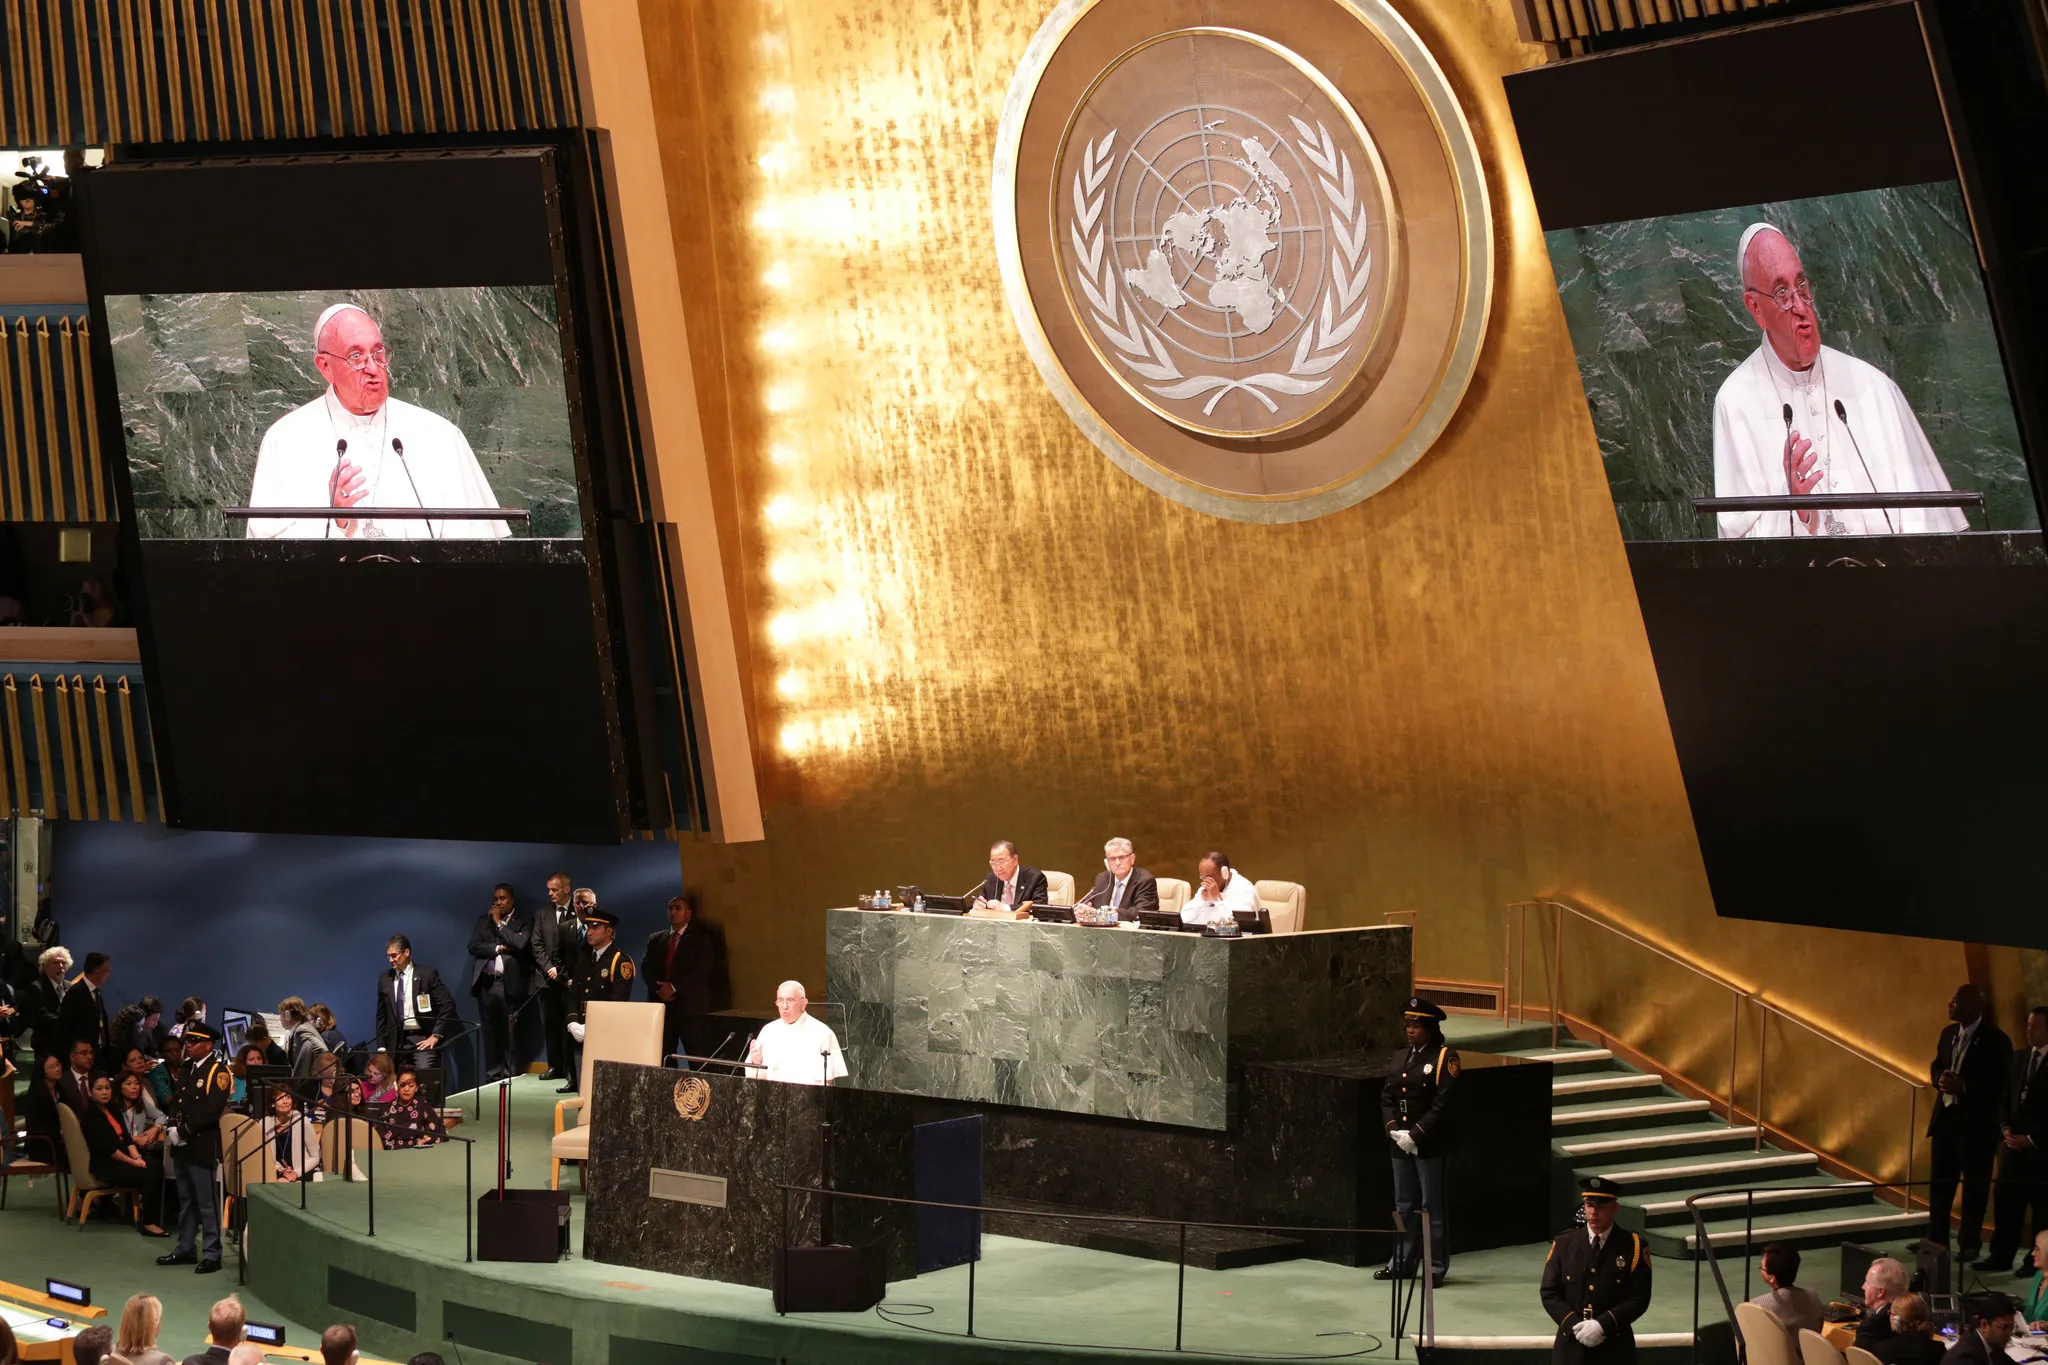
{"points": [[359, 401], [1839, 346]]}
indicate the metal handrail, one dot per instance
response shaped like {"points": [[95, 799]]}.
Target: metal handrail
{"points": [[1514, 996]]}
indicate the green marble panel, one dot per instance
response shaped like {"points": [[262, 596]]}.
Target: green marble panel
{"points": [[1101, 1021], [1656, 318], [201, 377]]}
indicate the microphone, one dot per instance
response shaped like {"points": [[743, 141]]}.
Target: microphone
{"points": [[399, 447], [1085, 899], [1857, 446], [334, 484]]}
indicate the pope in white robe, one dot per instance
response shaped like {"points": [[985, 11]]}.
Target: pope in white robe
{"points": [[355, 446], [1850, 429]]}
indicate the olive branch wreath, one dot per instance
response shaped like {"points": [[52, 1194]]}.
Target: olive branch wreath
{"points": [[1325, 341]]}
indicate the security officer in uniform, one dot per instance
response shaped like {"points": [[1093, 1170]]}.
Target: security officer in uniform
{"points": [[1412, 1107], [605, 973], [1596, 1281], [203, 1092]]}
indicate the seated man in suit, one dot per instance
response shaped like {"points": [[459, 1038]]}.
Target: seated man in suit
{"points": [[1884, 1281], [1009, 883], [2023, 1151], [1989, 1321], [1122, 885]]}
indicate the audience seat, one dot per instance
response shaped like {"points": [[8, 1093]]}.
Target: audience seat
{"points": [[1856, 1355], [359, 1136], [1059, 888], [1815, 1349], [1173, 894], [85, 1190], [1287, 903], [613, 1031], [1763, 1337]]}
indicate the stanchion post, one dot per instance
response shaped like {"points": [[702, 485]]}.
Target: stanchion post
{"points": [[1180, 1288], [373, 1188], [970, 1272], [468, 1200]]}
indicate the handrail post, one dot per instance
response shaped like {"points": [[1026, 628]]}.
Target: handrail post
{"points": [[1180, 1288], [1556, 974], [1734, 1058], [468, 1196], [372, 1192], [1507, 962], [970, 1272], [1762, 1031]]}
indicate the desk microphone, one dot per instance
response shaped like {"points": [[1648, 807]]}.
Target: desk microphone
{"points": [[399, 447], [1085, 899], [334, 484], [728, 1038], [1857, 446]]}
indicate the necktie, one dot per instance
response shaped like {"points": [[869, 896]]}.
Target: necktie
{"points": [[1009, 893], [1116, 896], [2033, 1064]]}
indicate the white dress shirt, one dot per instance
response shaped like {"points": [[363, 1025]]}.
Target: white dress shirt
{"points": [[1238, 893], [790, 1052]]}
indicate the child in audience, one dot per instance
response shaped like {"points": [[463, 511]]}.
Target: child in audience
{"points": [[414, 1122]]}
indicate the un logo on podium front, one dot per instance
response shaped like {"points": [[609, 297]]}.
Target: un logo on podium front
{"points": [[1260, 290]]}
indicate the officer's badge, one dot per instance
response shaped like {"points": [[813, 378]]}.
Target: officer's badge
{"points": [[626, 969], [1428, 1067], [1451, 1067], [1621, 1263], [222, 1081]]}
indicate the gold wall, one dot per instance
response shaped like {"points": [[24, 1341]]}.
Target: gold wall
{"points": [[959, 621]]}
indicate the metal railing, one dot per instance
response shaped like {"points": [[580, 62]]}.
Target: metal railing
{"points": [[1515, 1009], [1403, 1290]]}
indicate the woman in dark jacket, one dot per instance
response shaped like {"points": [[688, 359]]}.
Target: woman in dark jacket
{"points": [[39, 1106], [115, 1160], [1912, 1341]]}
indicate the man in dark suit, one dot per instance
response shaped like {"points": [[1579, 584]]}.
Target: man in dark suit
{"points": [[84, 1015], [415, 1008], [1884, 1281], [678, 966], [500, 954], [1989, 1321], [557, 955], [1009, 883], [1122, 885], [2023, 1161], [42, 1004], [1969, 1070], [1596, 1282], [74, 1087]]}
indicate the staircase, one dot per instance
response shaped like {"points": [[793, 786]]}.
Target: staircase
{"points": [[1608, 1118]]}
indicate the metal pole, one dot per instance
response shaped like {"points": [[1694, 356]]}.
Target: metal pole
{"points": [[970, 1272], [1734, 1063], [1426, 1274], [373, 1189], [1748, 1235], [1906, 1180], [1507, 962], [1557, 977], [468, 1197], [1180, 1287], [782, 1252], [1762, 1030], [1703, 1251], [1521, 966]]}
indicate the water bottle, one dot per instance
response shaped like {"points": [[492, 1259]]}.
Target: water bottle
{"points": [[917, 906]]}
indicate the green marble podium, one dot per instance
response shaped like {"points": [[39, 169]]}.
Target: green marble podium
{"points": [[1127, 1023]]}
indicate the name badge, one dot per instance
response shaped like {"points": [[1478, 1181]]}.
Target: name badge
{"points": [[1427, 1067], [425, 1002]]}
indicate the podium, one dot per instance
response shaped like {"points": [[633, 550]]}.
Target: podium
{"points": [[686, 1167]]}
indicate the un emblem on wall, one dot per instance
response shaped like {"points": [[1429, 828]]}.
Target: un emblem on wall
{"points": [[693, 1097], [1260, 291]]}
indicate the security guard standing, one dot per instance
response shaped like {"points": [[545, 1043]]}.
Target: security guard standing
{"points": [[605, 973], [1596, 1281], [203, 1092], [1412, 1107]]}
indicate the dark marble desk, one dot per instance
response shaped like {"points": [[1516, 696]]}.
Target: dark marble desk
{"points": [[1115, 1022], [752, 1135]]}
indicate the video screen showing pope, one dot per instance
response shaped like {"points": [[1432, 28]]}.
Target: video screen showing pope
{"points": [[334, 406], [1831, 347]]}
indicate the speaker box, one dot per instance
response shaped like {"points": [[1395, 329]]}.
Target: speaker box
{"points": [[1856, 1260], [829, 1279], [524, 1225]]}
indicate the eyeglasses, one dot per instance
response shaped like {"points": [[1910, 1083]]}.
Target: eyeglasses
{"points": [[359, 362], [1800, 290]]}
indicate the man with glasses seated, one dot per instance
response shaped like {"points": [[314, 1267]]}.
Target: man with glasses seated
{"points": [[415, 1010], [355, 446], [1122, 885], [1798, 417]]}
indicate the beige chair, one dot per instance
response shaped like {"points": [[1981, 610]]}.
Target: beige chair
{"points": [[85, 1190], [1287, 903], [359, 1136], [1764, 1341], [1059, 888], [1858, 1356], [1815, 1349], [1173, 894], [613, 1031]]}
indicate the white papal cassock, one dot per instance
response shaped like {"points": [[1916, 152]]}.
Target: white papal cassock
{"points": [[1749, 446], [437, 469]]}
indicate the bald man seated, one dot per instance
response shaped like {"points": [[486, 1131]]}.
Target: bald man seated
{"points": [[1798, 417], [794, 1047], [355, 446]]}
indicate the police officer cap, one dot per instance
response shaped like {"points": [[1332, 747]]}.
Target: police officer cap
{"points": [[1418, 1008], [195, 1028], [596, 916], [1598, 1187]]}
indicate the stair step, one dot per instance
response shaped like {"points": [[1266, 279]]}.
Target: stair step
{"points": [[1646, 1111], [1815, 1232], [1729, 1170], [1605, 1082], [1570, 1061], [1701, 1137], [1803, 1194]]}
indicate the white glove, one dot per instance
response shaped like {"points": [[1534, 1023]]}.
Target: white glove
{"points": [[576, 1030], [1589, 1332], [1405, 1140]]}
